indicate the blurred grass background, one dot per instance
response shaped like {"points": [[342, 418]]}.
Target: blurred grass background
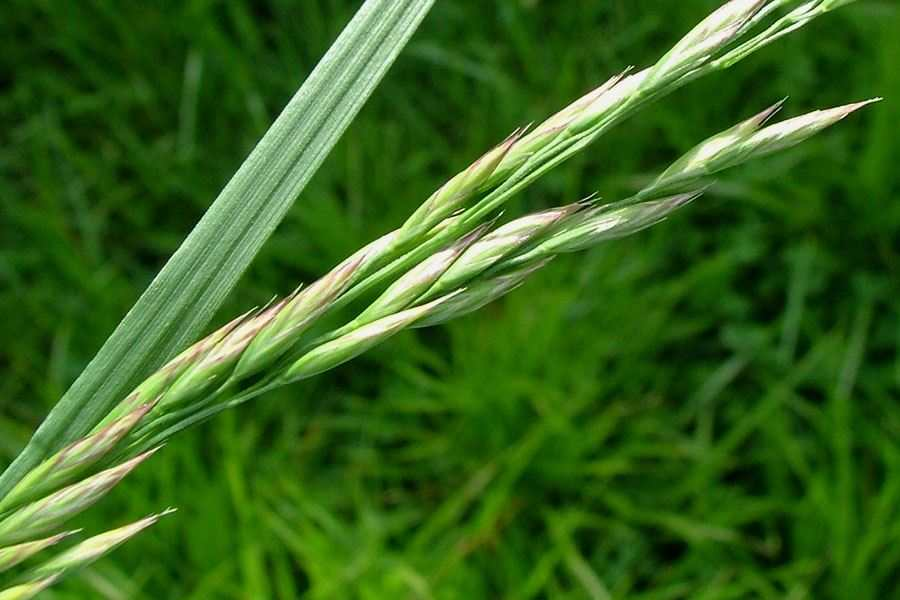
{"points": [[706, 410]]}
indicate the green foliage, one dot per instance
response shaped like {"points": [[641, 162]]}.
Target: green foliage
{"points": [[705, 410]]}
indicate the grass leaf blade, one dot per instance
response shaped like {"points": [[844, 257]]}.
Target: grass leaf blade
{"points": [[186, 293]]}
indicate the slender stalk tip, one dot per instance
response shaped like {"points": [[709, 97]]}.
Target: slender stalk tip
{"points": [[849, 109], [95, 547]]}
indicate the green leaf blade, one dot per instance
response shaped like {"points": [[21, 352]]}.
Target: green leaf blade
{"points": [[192, 285]]}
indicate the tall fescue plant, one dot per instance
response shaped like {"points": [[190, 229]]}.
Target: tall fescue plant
{"points": [[450, 257]]}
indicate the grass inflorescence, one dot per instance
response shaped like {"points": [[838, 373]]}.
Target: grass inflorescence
{"points": [[442, 262]]}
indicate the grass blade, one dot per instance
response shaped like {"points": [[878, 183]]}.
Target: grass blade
{"points": [[183, 297]]}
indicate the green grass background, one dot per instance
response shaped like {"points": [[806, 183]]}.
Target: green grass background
{"points": [[706, 410]]}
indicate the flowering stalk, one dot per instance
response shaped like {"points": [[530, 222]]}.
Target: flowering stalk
{"points": [[51, 511], [482, 267], [208, 371], [443, 262], [10, 557], [709, 47], [91, 549], [463, 277], [71, 461], [76, 557], [26, 591], [747, 141]]}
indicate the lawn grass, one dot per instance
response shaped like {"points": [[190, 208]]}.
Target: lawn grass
{"points": [[706, 410]]}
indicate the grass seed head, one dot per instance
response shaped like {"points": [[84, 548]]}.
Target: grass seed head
{"points": [[545, 133], [453, 194], [26, 591], [13, 555], [340, 350], [150, 390], [701, 44], [497, 245], [49, 512], [74, 459], [604, 224], [747, 141], [419, 279], [95, 547], [479, 294], [793, 131], [298, 313]]}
